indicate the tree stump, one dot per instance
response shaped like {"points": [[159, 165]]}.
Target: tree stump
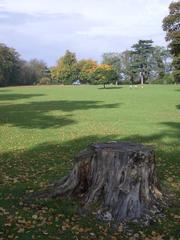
{"points": [[118, 177]]}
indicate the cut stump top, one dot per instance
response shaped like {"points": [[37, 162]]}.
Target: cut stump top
{"points": [[121, 146], [115, 146]]}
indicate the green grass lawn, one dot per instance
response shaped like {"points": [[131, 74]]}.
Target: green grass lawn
{"points": [[43, 127]]}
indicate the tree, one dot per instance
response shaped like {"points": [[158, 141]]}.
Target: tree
{"points": [[33, 71], [130, 67], [54, 72], [38, 69], [25, 74], [171, 24], [160, 62], [156, 62], [15, 71], [104, 74], [86, 69], [66, 70], [142, 52], [9, 65], [114, 60]]}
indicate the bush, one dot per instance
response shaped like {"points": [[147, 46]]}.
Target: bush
{"points": [[176, 75], [45, 81], [124, 82], [167, 79]]}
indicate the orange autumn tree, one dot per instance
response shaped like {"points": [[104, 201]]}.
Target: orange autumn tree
{"points": [[86, 68]]}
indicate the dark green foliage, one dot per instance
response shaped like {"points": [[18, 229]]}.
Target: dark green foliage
{"points": [[176, 71], [171, 24], [114, 60], [167, 79], [9, 65], [33, 71], [128, 73], [153, 61], [142, 52], [160, 62], [15, 71]]}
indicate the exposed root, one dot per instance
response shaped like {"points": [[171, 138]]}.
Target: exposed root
{"points": [[119, 176]]}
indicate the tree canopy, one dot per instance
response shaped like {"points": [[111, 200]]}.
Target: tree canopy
{"points": [[114, 60], [15, 71], [66, 70], [121, 67], [154, 62], [142, 52], [171, 24], [104, 74], [86, 69], [9, 65]]}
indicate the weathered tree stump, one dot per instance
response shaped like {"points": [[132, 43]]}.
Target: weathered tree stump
{"points": [[118, 177]]}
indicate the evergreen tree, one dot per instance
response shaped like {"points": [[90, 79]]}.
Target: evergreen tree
{"points": [[142, 52]]}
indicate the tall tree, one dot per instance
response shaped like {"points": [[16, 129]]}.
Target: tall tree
{"points": [[142, 52], [86, 68], [9, 65], [160, 62], [113, 59], [66, 70], [38, 69], [128, 74], [33, 71], [171, 24]]}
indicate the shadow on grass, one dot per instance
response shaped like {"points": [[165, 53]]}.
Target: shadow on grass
{"points": [[53, 159], [37, 114], [110, 88], [178, 106], [8, 97], [47, 162]]}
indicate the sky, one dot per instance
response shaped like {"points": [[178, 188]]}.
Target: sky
{"points": [[45, 29]]}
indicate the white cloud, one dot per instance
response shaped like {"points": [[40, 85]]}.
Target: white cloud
{"points": [[81, 25]]}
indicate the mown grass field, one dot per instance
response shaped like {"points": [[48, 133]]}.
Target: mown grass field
{"points": [[43, 127]]}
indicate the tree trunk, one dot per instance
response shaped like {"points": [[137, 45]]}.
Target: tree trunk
{"points": [[118, 177], [142, 78]]}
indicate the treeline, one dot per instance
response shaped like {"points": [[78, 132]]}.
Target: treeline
{"points": [[153, 63], [16, 71]]}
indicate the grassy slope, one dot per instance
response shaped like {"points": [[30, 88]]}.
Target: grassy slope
{"points": [[41, 128]]}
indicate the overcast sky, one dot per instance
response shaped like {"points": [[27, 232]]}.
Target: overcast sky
{"points": [[46, 28]]}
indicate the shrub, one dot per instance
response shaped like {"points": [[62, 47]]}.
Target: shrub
{"points": [[167, 79], [45, 81]]}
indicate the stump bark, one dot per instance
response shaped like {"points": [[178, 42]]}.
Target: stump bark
{"points": [[118, 177]]}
